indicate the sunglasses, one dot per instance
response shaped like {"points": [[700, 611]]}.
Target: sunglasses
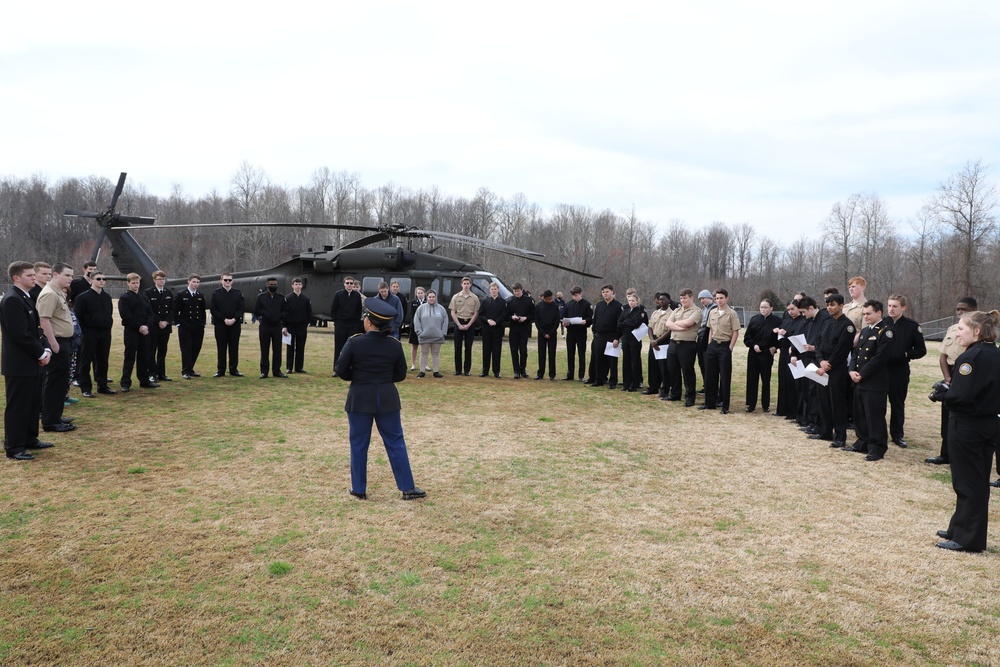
{"points": [[101, 279], [227, 280]]}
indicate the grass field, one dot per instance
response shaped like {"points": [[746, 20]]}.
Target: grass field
{"points": [[208, 523]]}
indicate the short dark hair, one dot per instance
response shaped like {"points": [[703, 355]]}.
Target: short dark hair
{"points": [[18, 268], [807, 302], [296, 279], [607, 286], [516, 286], [194, 276], [723, 292], [767, 301], [547, 293], [827, 291], [687, 291], [576, 289], [875, 305], [970, 302], [60, 267], [89, 264], [836, 297], [271, 279]]}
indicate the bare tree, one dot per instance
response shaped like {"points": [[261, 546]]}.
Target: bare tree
{"points": [[839, 228]]}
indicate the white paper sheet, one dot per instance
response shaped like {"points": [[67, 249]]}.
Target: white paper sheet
{"points": [[286, 339], [572, 320], [660, 353], [611, 351], [640, 332], [812, 375], [799, 341]]}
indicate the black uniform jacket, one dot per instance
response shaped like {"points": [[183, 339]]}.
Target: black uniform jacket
{"points": [[837, 341], [606, 318], [135, 311], [760, 331], [299, 307], [270, 309], [629, 321], [162, 304], [493, 309], [975, 384], [189, 311], [876, 346], [372, 363], [346, 308], [581, 308], [23, 341], [95, 311], [521, 307], [227, 304], [547, 317], [909, 342]]}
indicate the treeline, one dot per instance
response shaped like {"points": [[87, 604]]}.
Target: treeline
{"points": [[944, 251]]}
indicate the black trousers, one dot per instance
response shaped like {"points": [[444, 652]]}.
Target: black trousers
{"points": [[833, 403], [342, 330], [517, 339], [702, 349], [270, 348], [631, 361], [136, 356], [159, 340], [227, 343], [492, 347], [296, 354], [55, 383], [605, 367], [972, 444], [463, 343], [191, 338], [95, 352], [759, 365], [718, 374], [680, 365], [899, 385], [654, 370], [547, 347], [20, 415], [869, 420], [787, 398], [576, 348]]}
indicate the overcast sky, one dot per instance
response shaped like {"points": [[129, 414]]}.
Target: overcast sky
{"points": [[754, 112]]}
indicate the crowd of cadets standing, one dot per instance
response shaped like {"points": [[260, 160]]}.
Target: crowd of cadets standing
{"points": [[862, 347]]}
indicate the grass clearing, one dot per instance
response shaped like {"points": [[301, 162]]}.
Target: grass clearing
{"points": [[209, 523]]}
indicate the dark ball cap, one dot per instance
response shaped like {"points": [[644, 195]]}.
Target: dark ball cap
{"points": [[379, 309]]}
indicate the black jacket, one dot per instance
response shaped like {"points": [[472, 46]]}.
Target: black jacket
{"points": [[299, 309], [189, 310], [23, 342], [346, 308], [547, 317], [975, 385], [606, 318], [372, 363], [162, 304], [493, 309], [909, 342], [270, 309], [94, 311], [135, 311], [760, 331], [521, 307]]}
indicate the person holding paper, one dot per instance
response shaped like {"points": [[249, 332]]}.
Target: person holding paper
{"points": [[831, 355], [547, 321], [875, 347], [605, 326], [270, 311], [297, 321], [723, 332], [762, 340], [632, 320], [791, 324], [520, 314], [659, 335], [578, 316]]}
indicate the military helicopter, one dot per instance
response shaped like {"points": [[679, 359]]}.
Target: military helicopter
{"points": [[322, 272]]}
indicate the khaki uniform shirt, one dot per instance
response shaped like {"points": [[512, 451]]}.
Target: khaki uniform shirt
{"points": [[853, 311], [658, 322], [52, 304], [723, 325], [464, 307], [950, 347], [691, 333]]}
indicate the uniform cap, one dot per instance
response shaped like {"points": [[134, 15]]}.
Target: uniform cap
{"points": [[380, 309]]}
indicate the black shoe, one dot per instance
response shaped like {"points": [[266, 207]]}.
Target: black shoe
{"points": [[552, 379], [937, 460], [613, 385], [288, 371], [765, 410], [126, 389], [298, 371], [589, 381], [749, 409], [163, 378], [856, 450], [281, 376], [725, 411], [568, 378], [106, 391], [688, 404], [650, 392], [186, 376], [668, 397], [943, 534], [820, 436], [414, 494], [421, 374], [21, 456], [951, 545], [517, 376], [626, 389], [40, 445], [88, 394], [59, 428], [458, 372], [67, 420], [219, 374], [467, 373], [482, 375], [237, 374], [899, 442], [837, 444], [706, 407], [194, 375], [496, 375], [360, 496], [872, 457], [539, 377], [995, 483], [263, 376], [438, 375]]}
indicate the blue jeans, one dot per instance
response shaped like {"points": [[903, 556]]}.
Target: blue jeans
{"points": [[391, 430]]}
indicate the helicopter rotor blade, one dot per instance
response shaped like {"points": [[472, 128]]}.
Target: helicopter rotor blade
{"points": [[552, 264], [313, 225], [366, 241], [73, 213], [100, 242], [135, 219], [469, 240], [118, 191]]}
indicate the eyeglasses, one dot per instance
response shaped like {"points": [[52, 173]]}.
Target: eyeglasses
{"points": [[227, 280], [101, 279]]}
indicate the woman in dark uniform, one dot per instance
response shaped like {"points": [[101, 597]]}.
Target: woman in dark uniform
{"points": [[373, 361], [973, 401]]}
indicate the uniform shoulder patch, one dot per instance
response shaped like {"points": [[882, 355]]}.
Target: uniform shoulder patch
{"points": [[850, 328], [965, 369], [920, 329], [888, 333]]}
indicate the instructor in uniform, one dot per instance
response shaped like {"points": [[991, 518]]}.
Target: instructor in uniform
{"points": [[373, 362]]}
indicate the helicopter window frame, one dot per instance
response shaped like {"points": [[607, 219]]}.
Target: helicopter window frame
{"points": [[369, 285], [405, 285], [442, 286]]}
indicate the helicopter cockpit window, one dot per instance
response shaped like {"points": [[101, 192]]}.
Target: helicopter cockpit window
{"points": [[443, 290], [481, 287], [369, 285]]}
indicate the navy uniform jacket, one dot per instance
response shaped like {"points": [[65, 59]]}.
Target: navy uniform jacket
{"points": [[876, 346], [135, 311], [23, 341], [838, 339], [521, 307], [546, 317], [373, 363], [226, 305], [975, 384], [909, 342], [163, 305], [189, 311], [629, 321], [760, 331]]}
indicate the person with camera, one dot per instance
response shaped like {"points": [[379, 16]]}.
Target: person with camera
{"points": [[973, 401]]}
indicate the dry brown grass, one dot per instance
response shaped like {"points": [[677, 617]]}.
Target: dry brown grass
{"points": [[564, 525]]}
